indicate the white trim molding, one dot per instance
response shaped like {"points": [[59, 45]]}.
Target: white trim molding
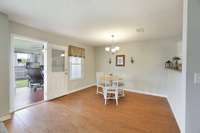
{"points": [[175, 115], [5, 117], [81, 88], [73, 91], [145, 93]]}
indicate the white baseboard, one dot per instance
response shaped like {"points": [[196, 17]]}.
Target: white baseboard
{"points": [[5, 117], [175, 116], [72, 91], [69, 92], [79, 89], [145, 93]]}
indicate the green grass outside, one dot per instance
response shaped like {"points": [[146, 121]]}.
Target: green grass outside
{"points": [[21, 83]]}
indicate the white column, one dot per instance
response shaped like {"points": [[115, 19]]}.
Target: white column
{"points": [[192, 46]]}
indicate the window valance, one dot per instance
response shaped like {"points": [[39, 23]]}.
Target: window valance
{"points": [[76, 51]]}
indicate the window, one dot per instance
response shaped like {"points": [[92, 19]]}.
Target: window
{"points": [[58, 60], [76, 67]]}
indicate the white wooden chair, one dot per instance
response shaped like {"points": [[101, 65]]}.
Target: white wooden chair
{"points": [[121, 85], [111, 90], [99, 82]]}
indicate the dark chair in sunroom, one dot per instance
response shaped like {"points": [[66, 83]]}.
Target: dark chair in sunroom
{"points": [[35, 77]]}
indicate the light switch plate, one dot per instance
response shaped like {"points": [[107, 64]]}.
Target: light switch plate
{"points": [[197, 78]]}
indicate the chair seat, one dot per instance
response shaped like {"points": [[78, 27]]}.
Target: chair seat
{"points": [[113, 90], [102, 84], [120, 84], [110, 91]]}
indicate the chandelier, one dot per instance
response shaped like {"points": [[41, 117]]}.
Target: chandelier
{"points": [[112, 49]]}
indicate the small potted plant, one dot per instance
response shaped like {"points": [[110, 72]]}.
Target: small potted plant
{"points": [[176, 59], [168, 64]]}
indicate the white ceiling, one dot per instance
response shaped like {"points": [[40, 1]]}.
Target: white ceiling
{"points": [[93, 21]]}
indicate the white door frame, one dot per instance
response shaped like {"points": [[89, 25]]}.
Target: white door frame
{"points": [[12, 89]]}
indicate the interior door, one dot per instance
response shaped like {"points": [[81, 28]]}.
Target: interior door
{"points": [[57, 71]]}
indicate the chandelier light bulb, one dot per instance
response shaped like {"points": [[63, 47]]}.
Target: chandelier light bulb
{"points": [[107, 49], [113, 50], [117, 48]]}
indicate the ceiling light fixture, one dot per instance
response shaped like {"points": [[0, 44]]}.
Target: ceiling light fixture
{"points": [[62, 55], [140, 30], [113, 49]]}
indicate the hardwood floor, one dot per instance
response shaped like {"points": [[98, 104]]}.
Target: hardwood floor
{"points": [[85, 112], [26, 96]]}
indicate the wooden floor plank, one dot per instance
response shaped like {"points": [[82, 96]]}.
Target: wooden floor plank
{"points": [[85, 112]]}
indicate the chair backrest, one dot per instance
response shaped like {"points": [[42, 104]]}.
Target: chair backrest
{"points": [[35, 74], [32, 65], [107, 83], [115, 84], [122, 78]]}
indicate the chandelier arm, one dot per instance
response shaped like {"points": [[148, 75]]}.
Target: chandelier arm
{"points": [[112, 49]]}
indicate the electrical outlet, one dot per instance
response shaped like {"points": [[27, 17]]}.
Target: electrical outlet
{"points": [[197, 78]]}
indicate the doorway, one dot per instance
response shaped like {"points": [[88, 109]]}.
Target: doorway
{"points": [[38, 71], [28, 58]]}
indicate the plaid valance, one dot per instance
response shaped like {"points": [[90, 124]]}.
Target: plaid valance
{"points": [[76, 51]]}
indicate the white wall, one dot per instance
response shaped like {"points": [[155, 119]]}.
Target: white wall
{"points": [[4, 64], [148, 73], [148, 68], [89, 77], [173, 88], [192, 45]]}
